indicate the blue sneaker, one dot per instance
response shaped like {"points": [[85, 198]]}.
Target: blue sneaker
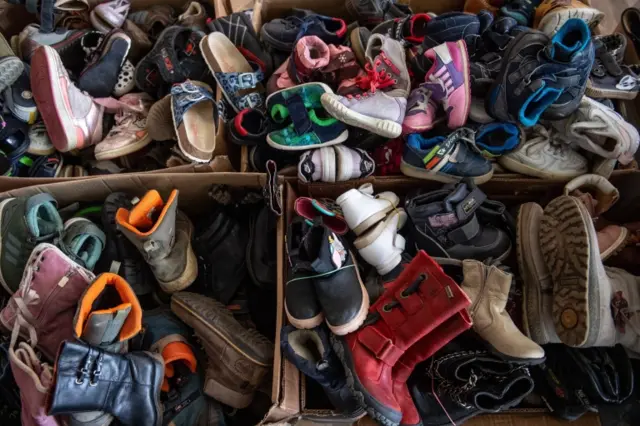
{"points": [[445, 159], [496, 139]]}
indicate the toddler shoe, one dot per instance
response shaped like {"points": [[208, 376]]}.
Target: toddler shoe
{"points": [[335, 164]]}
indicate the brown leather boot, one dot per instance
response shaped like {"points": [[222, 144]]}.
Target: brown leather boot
{"points": [[239, 358]]}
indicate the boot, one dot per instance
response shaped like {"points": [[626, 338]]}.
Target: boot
{"points": [[310, 351], [382, 245], [422, 350], [126, 386], [43, 307], [239, 358], [83, 241], [381, 107], [362, 210], [162, 234], [427, 297], [488, 289]]}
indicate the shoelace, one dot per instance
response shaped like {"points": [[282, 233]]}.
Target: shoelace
{"points": [[374, 80], [412, 288]]}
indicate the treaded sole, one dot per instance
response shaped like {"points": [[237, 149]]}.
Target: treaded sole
{"points": [[411, 171], [564, 241], [386, 128], [10, 70], [598, 93]]}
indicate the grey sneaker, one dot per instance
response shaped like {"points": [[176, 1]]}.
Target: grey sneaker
{"points": [[82, 241], [381, 108]]}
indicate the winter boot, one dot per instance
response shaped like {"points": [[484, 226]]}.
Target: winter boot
{"points": [[310, 351], [126, 386], [457, 222], [382, 245], [162, 233], [83, 241], [488, 289], [336, 279], [42, 309], [427, 297], [24, 222], [34, 380], [362, 210], [381, 108], [239, 358]]}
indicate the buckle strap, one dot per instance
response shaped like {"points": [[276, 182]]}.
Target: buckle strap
{"points": [[381, 346]]}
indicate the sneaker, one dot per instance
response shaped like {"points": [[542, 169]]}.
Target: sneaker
{"points": [[18, 98], [362, 210], [282, 34], [358, 38], [520, 10], [454, 26], [421, 111], [309, 127], [78, 123], [335, 164], [610, 79], [408, 30], [381, 108], [83, 241], [12, 67], [544, 156], [445, 159], [260, 154], [369, 13], [448, 80], [129, 134], [101, 74], [250, 127], [597, 128], [382, 245], [39, 142], [126, 82], [25, 222], [551, 15]]}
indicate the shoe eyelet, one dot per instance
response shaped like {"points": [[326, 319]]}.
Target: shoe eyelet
{"points": [[79, 381], [93, 384], [395, 81], [403, 295], [387, 307]]}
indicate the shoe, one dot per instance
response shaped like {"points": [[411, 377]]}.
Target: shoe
{"points": [[14, 139], [50, 315], [630, 20], [358, 38], [448, 80], [596, 128], [362, 210], [475, 6], [47, 166], [309, 127], [552, 15], [521, 10], [25, 222], [193, 16], [18, 97], [454, 26], [382, 245], [445, 159], [609, 78], [334, 268], [259, 156], [78, 123], [164, 241], [327, 210], [321, 365], [545, 156], [381, 108], [68, 44], [83, 241], [39, 142], [408, 30], [154, 20], [110, 15], [140, 42], [370, 376], [100, 76], [498, 139], [250, 127], [388, 157], [336, 163], [283, 33], [369, 13], [476, 225], [421, 111], [143, 373], [129, 134], [239, 358]]}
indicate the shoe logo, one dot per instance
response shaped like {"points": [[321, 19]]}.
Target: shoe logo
{"points": [[620, 311], [338, 253], [469, 205]]}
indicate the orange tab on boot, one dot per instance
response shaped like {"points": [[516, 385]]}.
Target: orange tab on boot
{"points": [[177, 352], [140, 220]]}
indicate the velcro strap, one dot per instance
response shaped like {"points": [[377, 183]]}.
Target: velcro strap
{"points": [[298, 113], [465, 232], [382, 347]]}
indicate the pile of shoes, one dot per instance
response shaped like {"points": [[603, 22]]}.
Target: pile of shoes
{"points": [[113, 314]]}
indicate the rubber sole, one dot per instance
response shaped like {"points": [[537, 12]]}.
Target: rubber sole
{"points": [[305, 324], [419, 173], [598, 93], [553, 21], [617, 246], [358, 320], [565, 244], [518, 167], [11, 69], [386, 128], [125, 150]]}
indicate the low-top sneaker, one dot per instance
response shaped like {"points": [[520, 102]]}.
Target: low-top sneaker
{"points": [[335, 164], [421, 111]]}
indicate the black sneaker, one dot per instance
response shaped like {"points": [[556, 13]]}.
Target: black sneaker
{"points": [[282, 34], [370, 13], [100, 75]]}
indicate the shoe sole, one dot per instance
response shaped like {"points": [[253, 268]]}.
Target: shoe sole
{"points": [[386, 128], [358, 320], [125, 150], [566, 248], [11, 69], [45, 85], [552, 22], [305, 324], [596, 93], [341, 138], [617, 245], [412, 171], [518, 167]]}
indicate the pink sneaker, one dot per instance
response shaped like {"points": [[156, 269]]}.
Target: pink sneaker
{"points": [[73, 119], [130, 131], [421, 111], [448, 80]]}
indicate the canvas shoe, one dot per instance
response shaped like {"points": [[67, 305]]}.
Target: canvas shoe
{"points": [[381, 108], [520, 10], [335, 164], [408, 30], [448, 80], [597, 128], [421, 111], [609, 78], [283, 33], [382, 245], [545, 156], [445, 159], [551, 15], [362, 210]]}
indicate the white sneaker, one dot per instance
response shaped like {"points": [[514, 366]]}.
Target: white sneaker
{"points": [[382, 246], [362, 210], [544, 156], [335, 164], [593, 126]]}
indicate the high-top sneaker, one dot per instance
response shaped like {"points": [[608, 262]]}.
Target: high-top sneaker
{"points": [[43, 307], [162, 234], [382, 246], [362, 210], [381, 107]]}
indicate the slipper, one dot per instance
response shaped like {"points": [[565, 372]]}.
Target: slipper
{"points": [[194, 112], [238, 79], [174, 58]]}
